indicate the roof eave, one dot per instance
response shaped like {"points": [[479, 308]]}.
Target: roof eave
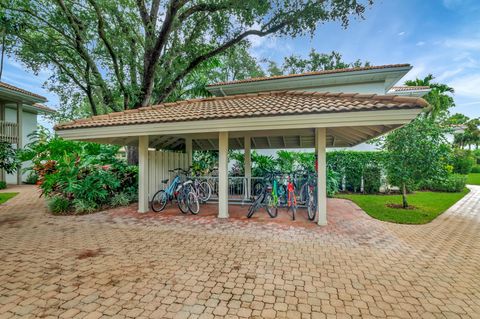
{"points": [[396, 73], [23, 97]]}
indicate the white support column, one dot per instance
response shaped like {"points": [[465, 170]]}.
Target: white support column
{"points": [[19, 137], [143, 174], [188, 150], [321, 150], [223, 175], [248, 164]]}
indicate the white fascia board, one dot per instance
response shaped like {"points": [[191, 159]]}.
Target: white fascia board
{"points": [[415, 93], [285, 122], [390, 76]]}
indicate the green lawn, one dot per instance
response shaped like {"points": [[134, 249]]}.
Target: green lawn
{"points": [[6, 196], [473, 179], [428, 205]]}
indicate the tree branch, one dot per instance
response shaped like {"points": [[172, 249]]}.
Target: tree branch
{"points": [[195, 62], [79, 41], [113, 56]]}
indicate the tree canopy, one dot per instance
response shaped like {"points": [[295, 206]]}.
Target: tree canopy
{"points": [[417, 151], [131, 53], [315, 61]]}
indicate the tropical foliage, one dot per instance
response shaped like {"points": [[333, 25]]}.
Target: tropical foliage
{"points": [[8, 157], [439, 97], [468, 133], [79, 177]]}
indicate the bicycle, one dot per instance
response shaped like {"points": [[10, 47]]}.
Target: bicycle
{"points": [[161, 197], [187, 198], [268, 197], [201, 188], [311, 196], [292, 198]]}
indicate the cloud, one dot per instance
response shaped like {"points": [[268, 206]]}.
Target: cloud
{"points": [[467, 85], [401, 33], [420, 43], [463, 43], [457, 4]]}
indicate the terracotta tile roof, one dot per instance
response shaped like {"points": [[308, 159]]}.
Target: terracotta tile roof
{"points": [[409, 88], [267, 78], [44, 108], [250, 105], [19, 90]]}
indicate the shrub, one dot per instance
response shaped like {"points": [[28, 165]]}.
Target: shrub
{"points": [[8, 157], [3, 184], [58, 204], [475, 169], [452, 183], [132, 193], [332, 183], [87, 174], [83, 206], [32, 178], [120, 199], [372, 179], [462, 161], [355, 165]]}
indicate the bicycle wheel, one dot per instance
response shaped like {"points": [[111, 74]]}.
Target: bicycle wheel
{"points": [[192, 202], [204, 192], [159, 201], [182, 201], [293, 204], [311, 205], [270, 206], [254, 207]]}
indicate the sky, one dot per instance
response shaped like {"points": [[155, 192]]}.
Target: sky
{"points": [[441, 37]]}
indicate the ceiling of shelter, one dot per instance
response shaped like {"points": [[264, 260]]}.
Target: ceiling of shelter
{"points": [[281, 139]]}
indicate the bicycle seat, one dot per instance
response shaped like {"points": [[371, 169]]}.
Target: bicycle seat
{"points": [[165, 181]]}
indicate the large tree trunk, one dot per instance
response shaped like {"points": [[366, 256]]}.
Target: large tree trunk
{"points": [[132, 155], [404, 196]]}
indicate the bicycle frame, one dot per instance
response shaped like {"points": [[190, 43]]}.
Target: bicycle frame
{"points": [[170, 190]]}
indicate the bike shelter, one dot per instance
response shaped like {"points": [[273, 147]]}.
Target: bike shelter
{"points": [[166, 134]]}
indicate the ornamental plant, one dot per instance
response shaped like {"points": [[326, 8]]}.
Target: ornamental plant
{"points": [[8, 158], [88, 176], [416, 152]]}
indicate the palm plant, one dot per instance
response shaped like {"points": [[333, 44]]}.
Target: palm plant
{"points": [[438, 97]]}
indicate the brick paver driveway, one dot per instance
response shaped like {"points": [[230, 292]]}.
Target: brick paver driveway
{"points": [[113, 265]]}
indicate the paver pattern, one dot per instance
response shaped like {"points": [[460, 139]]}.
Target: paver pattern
{"points": [[120, 265]]}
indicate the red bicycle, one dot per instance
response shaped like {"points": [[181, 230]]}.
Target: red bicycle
{"points": [[291, 197]]}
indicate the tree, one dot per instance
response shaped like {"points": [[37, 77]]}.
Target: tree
{"points": [[457, 119], [438, 97], [469, 135], [131, 53], [314, 62], [8, 158], [416, 151], [235, 63]]}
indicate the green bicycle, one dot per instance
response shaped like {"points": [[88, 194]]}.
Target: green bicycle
{"points": [[271, 196]]}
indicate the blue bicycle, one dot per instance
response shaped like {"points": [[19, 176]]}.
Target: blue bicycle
{"points": [[178, 190]]}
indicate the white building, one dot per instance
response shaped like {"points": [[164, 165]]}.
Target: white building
{"points": [[19, 110]]}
